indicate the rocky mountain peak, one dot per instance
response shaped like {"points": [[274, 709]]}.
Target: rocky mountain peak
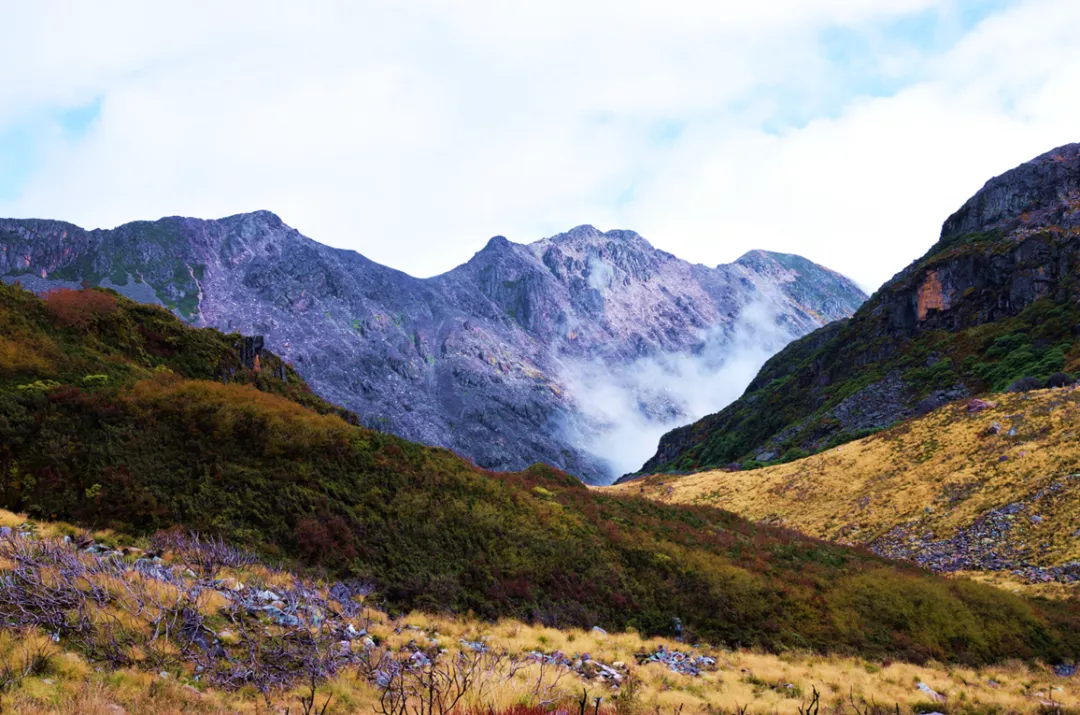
{"points": [[1041, 193], [474, 359]]}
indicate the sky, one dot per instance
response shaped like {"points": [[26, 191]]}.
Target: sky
{"points": [[414, 130]]}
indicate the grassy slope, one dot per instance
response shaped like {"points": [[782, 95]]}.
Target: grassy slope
{"points": [[265, 463], [938, 473], [795, 392], [68, 681]]}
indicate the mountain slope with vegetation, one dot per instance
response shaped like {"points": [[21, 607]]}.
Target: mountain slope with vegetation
{"points": [[481, 359], [244, 636], [111, 416], [992, 489], [994, 304]]}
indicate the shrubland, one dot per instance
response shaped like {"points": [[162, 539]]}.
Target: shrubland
{"points": [[181, 623], [130, 421]]}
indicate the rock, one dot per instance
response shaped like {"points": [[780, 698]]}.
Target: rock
{"points": [[418, 353], [267, 596], [978, 405], [475, 646], [934, 695]]}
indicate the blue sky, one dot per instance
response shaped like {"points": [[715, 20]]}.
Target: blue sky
{"points": [[844, 130]]}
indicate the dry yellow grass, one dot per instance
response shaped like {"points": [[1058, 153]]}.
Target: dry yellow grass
{"points": [[941, 472], [767, 683], [66, 683]]}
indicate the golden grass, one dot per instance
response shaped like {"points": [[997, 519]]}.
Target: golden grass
{"points": [[941, 471], [768, 683]]}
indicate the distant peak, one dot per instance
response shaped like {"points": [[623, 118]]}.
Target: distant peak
{"points": [[260, 216], [496, 243], [586, 233], [585, 230]]}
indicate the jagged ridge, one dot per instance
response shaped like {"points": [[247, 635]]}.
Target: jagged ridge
{"points": [[471, 360]]}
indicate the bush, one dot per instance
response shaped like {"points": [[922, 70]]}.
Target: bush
{"points": [[79, 309], [1025, 384], [1060, 379]]}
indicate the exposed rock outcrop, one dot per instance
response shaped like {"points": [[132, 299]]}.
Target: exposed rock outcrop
{"points": [[473, 359], [1007, 259]]}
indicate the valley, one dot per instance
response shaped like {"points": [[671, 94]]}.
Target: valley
{"points": [[885, 522]]}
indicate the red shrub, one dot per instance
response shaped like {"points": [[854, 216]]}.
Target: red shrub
{"points": [[326, 541], [78, 308]]}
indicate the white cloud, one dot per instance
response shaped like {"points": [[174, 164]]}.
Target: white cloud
{"points": [[623, 410], [412, 131]]}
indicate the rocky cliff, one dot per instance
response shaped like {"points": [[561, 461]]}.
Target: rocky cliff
{"points": [[475, 360], [992, 305]]}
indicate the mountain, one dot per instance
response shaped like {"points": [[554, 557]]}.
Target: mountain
{"points": [[117, 416], [991, 490], [992, 306], [482, 360]]}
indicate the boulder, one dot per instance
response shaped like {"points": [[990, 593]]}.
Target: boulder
{"points": [[978, 405]]}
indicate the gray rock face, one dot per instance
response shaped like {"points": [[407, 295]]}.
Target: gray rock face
{"points": [[1014, 244], [473, 360]]}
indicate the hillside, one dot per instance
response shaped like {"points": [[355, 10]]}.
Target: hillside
{"points": [[485, 359], [110, 416], [994, 301], [252, 636], [995, 490]]}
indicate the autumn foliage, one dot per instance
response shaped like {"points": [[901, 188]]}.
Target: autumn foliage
{"points": [[79, 309], [184, 435]]}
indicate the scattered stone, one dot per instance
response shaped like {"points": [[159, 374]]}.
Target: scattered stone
{"points": [[931, 692], [686, 663], [475, 646], [978, 405]]}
